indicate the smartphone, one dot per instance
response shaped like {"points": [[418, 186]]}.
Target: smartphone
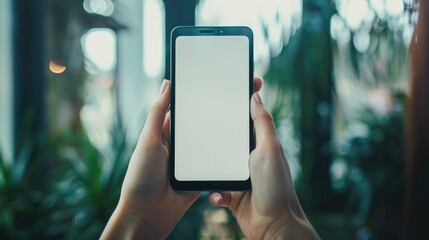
{"points": [[211, 126]]}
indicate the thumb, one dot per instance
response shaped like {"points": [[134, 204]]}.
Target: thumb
{"points": [[156, 116], [263, 121]]}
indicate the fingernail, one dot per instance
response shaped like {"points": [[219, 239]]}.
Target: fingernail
{"points": [[258, 98], [216, 199], [163, 87]]}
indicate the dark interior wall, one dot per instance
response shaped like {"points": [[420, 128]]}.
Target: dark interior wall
{"points": [[29, 69]]}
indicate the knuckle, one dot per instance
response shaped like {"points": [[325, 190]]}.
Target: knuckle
{"points": [[265, 156], [265, 115], [148, 141], [270, 146], [154, 108]]}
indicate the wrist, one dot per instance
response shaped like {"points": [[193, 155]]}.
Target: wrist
{"points": [[291, 227], [127, 223]]}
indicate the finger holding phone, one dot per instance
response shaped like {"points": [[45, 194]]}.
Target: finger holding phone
{"points": [[271, 209], [148, 207]]}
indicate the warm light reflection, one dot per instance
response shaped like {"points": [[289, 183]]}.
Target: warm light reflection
{"points": [[56, 68]]}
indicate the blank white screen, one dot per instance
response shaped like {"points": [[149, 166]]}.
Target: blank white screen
{"points": [[212, 108]]}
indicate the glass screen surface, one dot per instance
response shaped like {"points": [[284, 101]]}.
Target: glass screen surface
{"points": [[212, 108]]}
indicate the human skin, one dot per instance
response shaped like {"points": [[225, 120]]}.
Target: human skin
{"points": [[271, 209], [149, 208]]}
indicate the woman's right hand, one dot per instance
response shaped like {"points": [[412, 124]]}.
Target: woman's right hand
{"points": [[271, 209]]}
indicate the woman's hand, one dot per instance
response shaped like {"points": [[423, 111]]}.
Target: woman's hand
{"points": [[271, 210], [149, 208]]}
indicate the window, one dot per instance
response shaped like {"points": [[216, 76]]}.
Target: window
{"points": [[5, 80]]}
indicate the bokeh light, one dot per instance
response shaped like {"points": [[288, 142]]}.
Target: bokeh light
{"points": [[153, 37], [101, 7], [99, 46], [56, 68]]}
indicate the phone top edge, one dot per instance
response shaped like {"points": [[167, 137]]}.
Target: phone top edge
{"points": [[211, 31], [212, 26]]}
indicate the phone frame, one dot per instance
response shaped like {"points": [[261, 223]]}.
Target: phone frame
{"points": [[207, 31]]}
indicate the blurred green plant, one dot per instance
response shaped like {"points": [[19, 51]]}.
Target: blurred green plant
{"points": [[374, 152], [65, 188], [30, 206], [93, 181], [304, 71]]}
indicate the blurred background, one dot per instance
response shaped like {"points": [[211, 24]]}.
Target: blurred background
{"points": [[78, 76]]}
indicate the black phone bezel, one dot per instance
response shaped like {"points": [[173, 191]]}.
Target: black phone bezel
{"points": [[207, 31]]}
